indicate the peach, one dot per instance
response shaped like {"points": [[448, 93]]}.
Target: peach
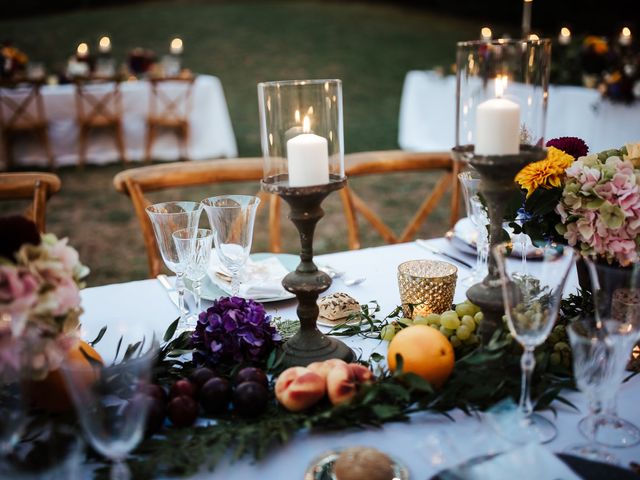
{"points": [[323, 368], [343, 381], [298, 388]]}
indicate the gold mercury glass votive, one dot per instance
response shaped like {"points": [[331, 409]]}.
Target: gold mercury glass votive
{"points": [[428, 285]]}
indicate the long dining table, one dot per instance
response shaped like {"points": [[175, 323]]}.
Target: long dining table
{"points": [[426, 444]]}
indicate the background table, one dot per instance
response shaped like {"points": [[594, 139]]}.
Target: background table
{"points": [[211, 131], [413, 443], [427, 115]]}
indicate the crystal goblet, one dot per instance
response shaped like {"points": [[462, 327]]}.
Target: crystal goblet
{"points": [[194, 250], [167, 218], [531, 303], [477, 213], [231, 218], [616, 296], [109, 398]]}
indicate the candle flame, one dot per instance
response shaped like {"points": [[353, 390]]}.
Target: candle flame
{"points": [[534, 37], [105, 42], [83, 49], [176, 44], [296, 116], [500, 85], [306, 124], [486, 33], [565, 32], [626, 32]]}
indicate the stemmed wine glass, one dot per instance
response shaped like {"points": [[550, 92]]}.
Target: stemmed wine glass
{"points": [[109, 398], [470, 181], [231, 218], [616, 297], [167, 218], [531, 304], [194, 250], [598, 371]]}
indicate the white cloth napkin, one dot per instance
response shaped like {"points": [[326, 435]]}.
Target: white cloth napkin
{"points": [[531, 462], [260, 279]]}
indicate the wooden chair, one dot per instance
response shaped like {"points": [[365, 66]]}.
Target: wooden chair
{"points": [[170, 104], [36, 186], [22, 111], [99, 106], [136, 182], [383, 162]]}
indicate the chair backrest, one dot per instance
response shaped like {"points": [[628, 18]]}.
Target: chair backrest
{"points": [[98, 101], [171, 99], [136, 182], [21, 105], [391, 161], [36, 186]]}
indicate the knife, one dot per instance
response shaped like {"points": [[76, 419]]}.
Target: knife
{"points": [[172, 292], [437, 251]]}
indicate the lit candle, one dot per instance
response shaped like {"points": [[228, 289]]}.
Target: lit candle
{"points": [[565, 36], [83, 50], [176, 46], [104, 45], [308, 158], [485, 34], [625, 37], [498, 124]]}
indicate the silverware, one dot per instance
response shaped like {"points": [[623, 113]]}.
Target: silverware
{"points": [[437, 251], [350, 282], [171, 292]]}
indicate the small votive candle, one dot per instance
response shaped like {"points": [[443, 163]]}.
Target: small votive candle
{"points": [[104, 45], [486, 34], [564, 38], [83, 50], [176, 47], [426, 286], [625, 37]]}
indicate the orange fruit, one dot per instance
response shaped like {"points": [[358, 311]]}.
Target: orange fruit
{"points": [[425, 351], [51, 393]]}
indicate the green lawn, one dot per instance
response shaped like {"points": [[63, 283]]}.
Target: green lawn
{"points": [[369, 46]]}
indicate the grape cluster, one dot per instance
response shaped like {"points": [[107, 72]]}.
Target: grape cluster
{"points": [[459, 325], [558, 342]]}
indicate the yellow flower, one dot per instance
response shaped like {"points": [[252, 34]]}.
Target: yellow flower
{"points": [[546, 173]]}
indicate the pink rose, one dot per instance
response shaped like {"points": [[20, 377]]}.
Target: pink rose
{"points": [[18, 292], [67, 255], [67, 296]]}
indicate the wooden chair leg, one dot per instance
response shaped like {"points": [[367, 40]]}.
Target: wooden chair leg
{"points": [[184, 142], [44, 136], [7, 143], [150, 138], [39, 205], [82, 146], [455, 195], [120, 143]]}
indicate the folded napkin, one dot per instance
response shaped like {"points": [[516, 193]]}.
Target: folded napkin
{"points": [[531, 462], [260, 279]]}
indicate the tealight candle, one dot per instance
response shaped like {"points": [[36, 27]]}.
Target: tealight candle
{"points": [[104, 45], [83, 50], [625, 37], [308, 158], [498, 124], [565, 36], [486, 34], [176, 47]]}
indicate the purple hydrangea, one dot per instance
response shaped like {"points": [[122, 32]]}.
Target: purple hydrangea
{"points": [[574, 146], [233, 330]]}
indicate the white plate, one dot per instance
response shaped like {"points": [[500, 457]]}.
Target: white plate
{"points": [[210, 291]]}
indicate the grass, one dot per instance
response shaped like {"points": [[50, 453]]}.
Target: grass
{"points": [[370, 47]]}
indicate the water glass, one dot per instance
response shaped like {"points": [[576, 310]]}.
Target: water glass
{"points": [[109, 398], [194, 251], [477, 213], [531, 303], [231, 218], [167, 218]]}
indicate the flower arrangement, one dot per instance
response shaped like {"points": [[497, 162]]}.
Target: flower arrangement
{"points": [[40, 281], [591, 202], [12, 60], [233, 330]]}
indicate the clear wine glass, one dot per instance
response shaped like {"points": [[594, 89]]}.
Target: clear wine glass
{"points": [[194, 251], [531, 303], [594, 351], [167, 218], [616, 296], [477, 213], [109, 398], [231, 218]]}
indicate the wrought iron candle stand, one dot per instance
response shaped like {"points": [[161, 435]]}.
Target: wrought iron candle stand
{"points": [[497, 184], [306, 282]]}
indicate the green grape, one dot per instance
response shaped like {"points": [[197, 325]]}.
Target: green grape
{"points": [[561, 346], [455, 341], [469, 322], [463, 332], [450, 320], [433, 319], [421, 320], [463, 309], [472, 340], [555, 358], [553, 338], [405, 322], [446, 331], [478, 317], [433, 325], [388, 332], [559, 329]]}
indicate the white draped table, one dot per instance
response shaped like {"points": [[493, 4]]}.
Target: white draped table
{"points": [[211, 133], [413, 443], [427, 115]]}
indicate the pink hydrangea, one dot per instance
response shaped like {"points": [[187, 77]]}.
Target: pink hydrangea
{"points": [[18, 293]]}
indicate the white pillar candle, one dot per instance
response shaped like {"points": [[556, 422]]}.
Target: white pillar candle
{"points": [[308, 159], [104, 45], [498, 125]]}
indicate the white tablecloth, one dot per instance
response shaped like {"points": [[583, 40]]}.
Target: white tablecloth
{"points": [[427, 115], [146, 302], [211, 131]]}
